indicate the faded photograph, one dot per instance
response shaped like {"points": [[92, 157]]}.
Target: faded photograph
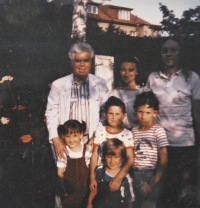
{"points": [[99, 104]]}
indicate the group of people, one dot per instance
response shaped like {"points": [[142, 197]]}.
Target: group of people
{"points": [[133, 147]]}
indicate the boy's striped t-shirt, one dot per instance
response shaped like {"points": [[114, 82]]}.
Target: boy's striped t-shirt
{"points": [[146, 145]]}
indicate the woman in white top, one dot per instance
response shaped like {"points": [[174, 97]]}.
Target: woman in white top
{"points": [[128, 88]]}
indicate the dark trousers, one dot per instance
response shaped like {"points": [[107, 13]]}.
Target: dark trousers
{"points": [[179, 178]]}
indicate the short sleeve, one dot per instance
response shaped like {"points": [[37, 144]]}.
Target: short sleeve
{"points": [[96, 140], [128, 139], [161, 137], [88, 154], [61, 162], [150, 79], [99, 135], [195, 86]]}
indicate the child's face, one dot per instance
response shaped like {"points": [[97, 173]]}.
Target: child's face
{"points": [[146, 115], [72, 139], [113, 161], [114, 116]]}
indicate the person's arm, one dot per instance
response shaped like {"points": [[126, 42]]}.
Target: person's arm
{"points": [[162, 163], [116, 182], [59, 147], [196, 119], [91, 140], [52, 112], [60, 173], [195, 102], [90, 198], [93, 164]]}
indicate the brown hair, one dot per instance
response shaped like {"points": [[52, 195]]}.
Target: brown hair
{"points": [[112, 147]]}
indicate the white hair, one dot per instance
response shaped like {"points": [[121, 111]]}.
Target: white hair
{"points": [[80, 47]]}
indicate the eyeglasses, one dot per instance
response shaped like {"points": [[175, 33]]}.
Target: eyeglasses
{"points": [[172, 51], [78, 61]]}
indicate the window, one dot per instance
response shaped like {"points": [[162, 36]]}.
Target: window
{"points": [[123, 14], [92, 9], [133, 33]]}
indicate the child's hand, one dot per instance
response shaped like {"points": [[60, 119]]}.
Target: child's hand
{"points": [[115, 184], [145, 189], [93, 185]]}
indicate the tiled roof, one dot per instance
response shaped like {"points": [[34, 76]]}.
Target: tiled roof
{"points": [[109, 13]]}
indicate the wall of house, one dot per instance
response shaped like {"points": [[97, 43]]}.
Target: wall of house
{"points": [[144, 31], [141, 32], [103, 25], [125, 28]]}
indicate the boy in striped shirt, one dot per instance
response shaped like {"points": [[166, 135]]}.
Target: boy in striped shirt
{"points": [[150, 155]]}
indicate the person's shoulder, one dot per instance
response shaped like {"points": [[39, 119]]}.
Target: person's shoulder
{"points": [[154, 74], [194, 75], [62, 80], [161, 135], [96, 78], [99, 170], [101, 129], [126, 130], [115, 92], [127, 133], [158, 126], [134, 128]]}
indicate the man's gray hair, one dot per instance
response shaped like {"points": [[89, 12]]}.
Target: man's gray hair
{"points": [[79, 48]]}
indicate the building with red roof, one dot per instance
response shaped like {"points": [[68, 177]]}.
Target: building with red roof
{"points": [[121, 17]]}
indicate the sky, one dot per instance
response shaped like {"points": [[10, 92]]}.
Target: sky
{"points": [[149, 9]]}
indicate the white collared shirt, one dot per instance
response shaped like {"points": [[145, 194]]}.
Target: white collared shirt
{"points": [[175, 95], [79, 102]]}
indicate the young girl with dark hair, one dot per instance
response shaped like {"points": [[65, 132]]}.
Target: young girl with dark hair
{"points": [[73, 169]]}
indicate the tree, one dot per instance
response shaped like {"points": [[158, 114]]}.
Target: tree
{"points": [[187, 25]]}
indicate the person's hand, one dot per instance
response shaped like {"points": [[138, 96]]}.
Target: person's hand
{"points": [[93, 185], [60, 147], [145, 189], [25, 138], [115, 184], [64, 199], [91, 141], [89, 205]]}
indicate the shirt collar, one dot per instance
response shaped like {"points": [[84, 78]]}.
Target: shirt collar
{"points": [[75, 82], [162, 75]]}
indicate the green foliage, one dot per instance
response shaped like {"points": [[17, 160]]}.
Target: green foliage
{"points": [[187, 25]]}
